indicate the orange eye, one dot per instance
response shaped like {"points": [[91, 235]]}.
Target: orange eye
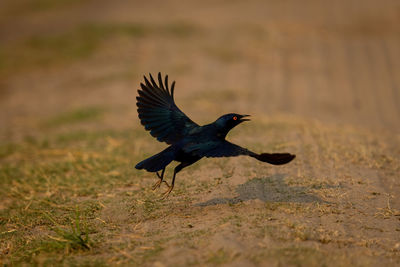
{"points": [[234, 118]]}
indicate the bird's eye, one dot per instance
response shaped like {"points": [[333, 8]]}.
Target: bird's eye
{"points": [[234, 118]]}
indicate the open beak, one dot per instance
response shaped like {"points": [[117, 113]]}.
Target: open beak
{"points": [[243, 118]]}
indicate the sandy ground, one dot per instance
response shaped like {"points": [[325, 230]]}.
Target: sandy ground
{"points": [[321, 79]]}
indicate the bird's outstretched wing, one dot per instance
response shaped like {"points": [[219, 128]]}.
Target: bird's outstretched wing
{"points": [[214, 149], [158, 112]]}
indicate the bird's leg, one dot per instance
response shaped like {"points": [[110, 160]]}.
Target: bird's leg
{"points": [[166, 194], [161, 179], [176, 170]]}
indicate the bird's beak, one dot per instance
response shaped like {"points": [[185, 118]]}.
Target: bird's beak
{"points": [[243, 118]]}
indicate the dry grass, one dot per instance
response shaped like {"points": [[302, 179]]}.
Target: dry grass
{"points": [[304, 214]]}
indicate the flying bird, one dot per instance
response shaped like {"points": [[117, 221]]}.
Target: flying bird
{"points": [[188, 142]]}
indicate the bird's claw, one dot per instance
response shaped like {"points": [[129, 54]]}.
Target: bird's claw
{"points": [[158, 184], [166, 194]]}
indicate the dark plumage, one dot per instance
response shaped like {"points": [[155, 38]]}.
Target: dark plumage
{"points": [[188, 141]]}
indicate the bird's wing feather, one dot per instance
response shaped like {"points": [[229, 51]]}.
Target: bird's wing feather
{"points": [[216, 149], [158, 112]]}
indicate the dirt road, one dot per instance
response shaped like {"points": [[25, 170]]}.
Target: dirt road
{"points": [[320, 78]]}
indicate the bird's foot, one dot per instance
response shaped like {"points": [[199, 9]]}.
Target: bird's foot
{"points": [[158, 184], [166, 194]]}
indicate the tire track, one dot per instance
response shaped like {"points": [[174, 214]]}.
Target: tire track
{"points": [[286, 82], [375, 90], [390, 71], [358, 76], [383, 84]]}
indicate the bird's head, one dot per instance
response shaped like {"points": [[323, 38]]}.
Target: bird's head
{"points": [[229, 121]]}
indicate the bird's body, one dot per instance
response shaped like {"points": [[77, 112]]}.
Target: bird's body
{"points": [[188, 141]]}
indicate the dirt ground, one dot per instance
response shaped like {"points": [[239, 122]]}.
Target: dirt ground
{"points": [[321, 79]]}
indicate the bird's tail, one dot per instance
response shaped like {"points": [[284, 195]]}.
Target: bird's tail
{"points": [[274, 158], [158, 161]]}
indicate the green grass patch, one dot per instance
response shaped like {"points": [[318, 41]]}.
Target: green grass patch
{"points": [[220, 256], [42, 5], [75, 238], [24, 7], [79, 43], [295, 256], [44, 180], [75, 116]]}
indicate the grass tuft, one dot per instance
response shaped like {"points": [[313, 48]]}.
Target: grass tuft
{"points": [[70, 239]]}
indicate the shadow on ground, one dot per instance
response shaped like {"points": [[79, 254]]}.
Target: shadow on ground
{"points": [[269, 189]]}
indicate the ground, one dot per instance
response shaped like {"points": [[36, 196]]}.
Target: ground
{"points": [[321, 79]]}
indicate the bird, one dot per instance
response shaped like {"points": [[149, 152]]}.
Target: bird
{"points": [[188, 142]]}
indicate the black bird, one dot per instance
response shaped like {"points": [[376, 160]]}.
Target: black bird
{"points": [[188, 141]]}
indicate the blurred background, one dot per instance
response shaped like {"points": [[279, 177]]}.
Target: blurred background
{"points": [[321, 80], [66, 61]]}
